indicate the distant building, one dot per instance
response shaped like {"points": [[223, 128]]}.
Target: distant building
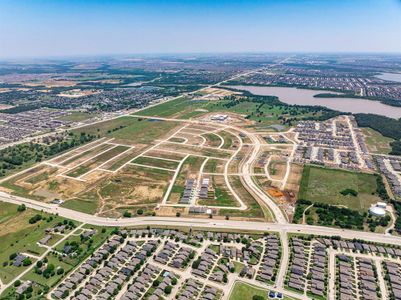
{"points": [[220, 118]]}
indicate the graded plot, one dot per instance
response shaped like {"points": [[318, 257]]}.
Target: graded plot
{"points": [[214, 166], [218, 193], [168, 155], [253, 210], [72, 161], [231, 141], [193, 131], [133, 188], [177, 139], [59, 159], [213, 139], [97, 161], [194, 150], [156, 163], [30, 182], [277, 168], [187, 175], [199, 128], [122, 159], [260, 163], [189, 139], [234, 166]]}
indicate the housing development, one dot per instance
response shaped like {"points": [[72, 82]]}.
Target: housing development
{"points": [[166, 178]]}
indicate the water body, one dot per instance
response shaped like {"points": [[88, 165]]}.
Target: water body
{"points": [[390, 76], [305, 97]]}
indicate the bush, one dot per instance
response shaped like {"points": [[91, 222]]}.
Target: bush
{"points": [[347, 192], [127, 214], [35, 219], [21, 208], [26, 262]]}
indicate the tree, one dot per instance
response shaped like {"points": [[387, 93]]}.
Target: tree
{"points": [[258, 297], [17, 283], [26, 262], [127, 214], [168, 289], [21, 208]]}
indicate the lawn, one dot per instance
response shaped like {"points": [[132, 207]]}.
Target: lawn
{"points": [[242, 291], [53, 280], [325, 185]]}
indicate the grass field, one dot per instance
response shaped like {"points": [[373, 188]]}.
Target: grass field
{"points": [[376, 142], [78, 116], [18, 235], [242, 291], [86, 205], [97, 161], [324, 185], [160, 163], [130, 129], [254, 210]]}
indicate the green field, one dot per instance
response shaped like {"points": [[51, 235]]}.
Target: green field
{"points": [[263, 115], [242, 291], [324, 185], [376, 142], [167, 164], [86, 205], [97, 161], [132, 129], [18, 235], [78, 116]]}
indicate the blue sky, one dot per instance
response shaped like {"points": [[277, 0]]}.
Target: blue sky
{"points": [[30, 28]]}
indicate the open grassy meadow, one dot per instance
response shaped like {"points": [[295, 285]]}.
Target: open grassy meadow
{"points": [[376, 142], [325, 185], [131, 129]]}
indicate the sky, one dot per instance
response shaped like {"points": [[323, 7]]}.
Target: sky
{"points": [[40, 28]]}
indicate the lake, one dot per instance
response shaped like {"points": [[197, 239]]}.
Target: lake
{"points": [[390, 76], [305, 97]]}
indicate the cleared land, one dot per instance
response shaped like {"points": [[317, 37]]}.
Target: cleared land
{"points": [[325, 185], [376, 142]]}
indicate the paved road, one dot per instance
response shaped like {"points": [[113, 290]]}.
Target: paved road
{"points": [[198, 223]]}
